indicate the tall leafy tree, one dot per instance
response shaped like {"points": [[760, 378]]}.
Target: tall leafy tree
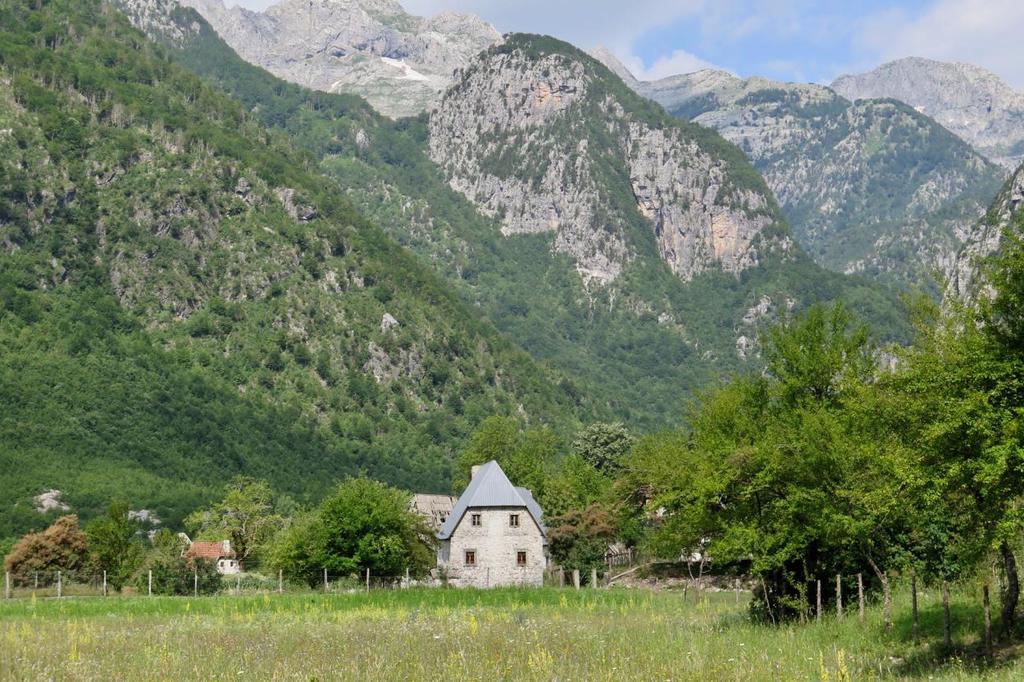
{"points": [[114, 544], [363, 525], [604, 446], [245, 515]]}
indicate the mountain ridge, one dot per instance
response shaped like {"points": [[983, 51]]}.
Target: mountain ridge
{"points": [[870, 186], [967, 99]]}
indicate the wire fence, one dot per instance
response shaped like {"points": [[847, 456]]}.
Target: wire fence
{"points": [[61, 583]]}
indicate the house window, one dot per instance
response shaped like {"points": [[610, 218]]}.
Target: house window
{"points": [[513, 520], [520, 558], [475, 519], [470, 557]]}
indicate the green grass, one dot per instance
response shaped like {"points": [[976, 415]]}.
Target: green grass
{"points": [[544, 634]]}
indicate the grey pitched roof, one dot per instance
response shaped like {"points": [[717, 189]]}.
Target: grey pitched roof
{"points": [[491, 488]]}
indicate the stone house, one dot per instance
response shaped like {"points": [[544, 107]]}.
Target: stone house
{"points": [[495, 535]]}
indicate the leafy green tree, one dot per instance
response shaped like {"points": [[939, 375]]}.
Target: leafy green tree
{"points": [[496, 438], [603, 446], [775, 471], [363, 525], [114, 544], [245, 515]]}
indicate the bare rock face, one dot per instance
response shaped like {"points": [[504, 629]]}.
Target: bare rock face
{"points": [[541, 142], [154, 18], [984, 239], [968, 100], [870, 187], [400, 63]]}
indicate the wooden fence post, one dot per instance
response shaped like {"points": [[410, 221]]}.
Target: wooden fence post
{"points": [[60, 585], [150, 583], [408, 583], [736, 589], [915, 622], [280, 581], [35, 574], [576, 578], [195, 582], [7, 585], [238, 584], [818, 594], [947, 635], [367, 580], [860, 596], [325, 581], [104, 583], [988, 621], [839, 595], [593, 578], [561, 576]]}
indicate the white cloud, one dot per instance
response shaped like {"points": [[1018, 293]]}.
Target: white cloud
{"points": [[982, 32], [680, 61]]}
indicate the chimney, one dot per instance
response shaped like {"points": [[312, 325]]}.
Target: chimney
{"points": [[472, 471]]}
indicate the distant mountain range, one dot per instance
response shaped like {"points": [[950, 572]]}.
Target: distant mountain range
{"points": [[970, 101], [871, 187], [373, 48]]}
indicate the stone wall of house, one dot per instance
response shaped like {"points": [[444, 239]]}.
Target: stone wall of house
{"points": [[496, 544]]}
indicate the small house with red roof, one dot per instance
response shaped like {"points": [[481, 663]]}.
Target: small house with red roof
{"points": [[218, 553]]}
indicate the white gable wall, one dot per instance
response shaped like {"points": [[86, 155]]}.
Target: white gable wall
{"points": [[496, 544]]}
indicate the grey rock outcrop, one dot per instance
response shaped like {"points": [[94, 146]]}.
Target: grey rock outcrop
{"points": [[532, 140], [984, 239], [871, 187], [968, 100], [400, 63]]}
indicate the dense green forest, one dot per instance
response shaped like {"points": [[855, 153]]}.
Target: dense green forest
{"points": [[184, 297], [628, 362]]}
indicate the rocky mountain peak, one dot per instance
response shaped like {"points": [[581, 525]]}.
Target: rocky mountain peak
{"points": [[972, 102], [539, 136], [399, 62]]}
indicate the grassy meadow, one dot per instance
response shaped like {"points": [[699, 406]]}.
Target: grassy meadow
{"points": [[544, 634]]}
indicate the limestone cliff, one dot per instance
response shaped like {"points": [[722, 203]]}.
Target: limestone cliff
{"points": [[548, 141], [984, 239]]}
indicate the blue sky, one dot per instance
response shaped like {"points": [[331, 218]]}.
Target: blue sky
{"points": [[800, 40]]}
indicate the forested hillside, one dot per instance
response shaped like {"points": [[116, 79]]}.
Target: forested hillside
{"points": [[638, 348], [183, 297]]}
